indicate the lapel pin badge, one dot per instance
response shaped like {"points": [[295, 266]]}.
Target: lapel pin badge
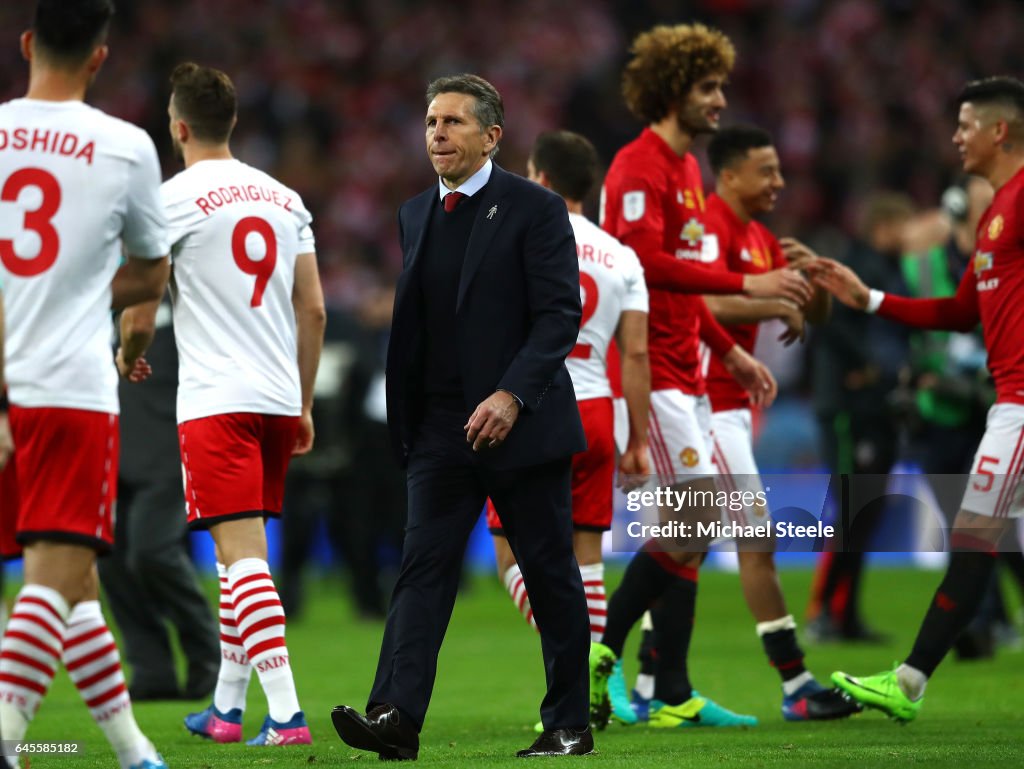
{"points": [[493, 210]]}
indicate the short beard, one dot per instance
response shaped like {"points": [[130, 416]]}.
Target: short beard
{"points": [[695, 125]]}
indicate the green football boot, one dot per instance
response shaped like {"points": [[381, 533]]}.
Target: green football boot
{"points": [[696, 711], [602, 662], [881, 691]]}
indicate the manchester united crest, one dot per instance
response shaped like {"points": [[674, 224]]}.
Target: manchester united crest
{"points": [[689, 457], [995, 227]]}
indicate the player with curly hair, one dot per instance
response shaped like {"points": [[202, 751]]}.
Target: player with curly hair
{"points": [[653, 201]]}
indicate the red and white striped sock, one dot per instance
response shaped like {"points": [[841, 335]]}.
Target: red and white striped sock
{"points": [[597, 603], [261, 622], [513, 580], [94, 666], [235, 668], [29, 655]]}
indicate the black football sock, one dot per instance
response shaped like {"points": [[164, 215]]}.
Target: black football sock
{"points": [[952, 608], [644, 581], [673, 622], [648, 651], [784, 653]]}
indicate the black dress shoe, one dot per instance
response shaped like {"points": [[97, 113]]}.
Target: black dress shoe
{"points": [[382, 731], [561, 742]]}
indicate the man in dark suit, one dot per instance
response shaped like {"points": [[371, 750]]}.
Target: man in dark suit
{"points": [[148, 577], [480, 404]]}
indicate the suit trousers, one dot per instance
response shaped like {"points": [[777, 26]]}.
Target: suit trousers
{"points": [[448, 483], [149, 579]]}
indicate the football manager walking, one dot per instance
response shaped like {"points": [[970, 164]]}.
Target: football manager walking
{"points": [[480, 404]]}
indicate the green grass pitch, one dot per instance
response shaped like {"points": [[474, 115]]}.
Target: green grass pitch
{"points": [[490, 682]]}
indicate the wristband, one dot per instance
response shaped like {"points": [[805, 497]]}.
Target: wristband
{"points": [[875, 298], [4, 403]]}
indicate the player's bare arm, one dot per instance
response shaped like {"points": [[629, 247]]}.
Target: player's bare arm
{"points": [[840, 281], [310, 319], [800, 256], [796, 324], [138, 325], [739, 310], [960, 312], [631, 336], [753, 375], [784, 283], [138, 281], [6, 441]]}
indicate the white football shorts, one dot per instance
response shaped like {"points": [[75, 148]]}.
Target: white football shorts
{"points": [[995, 488]]}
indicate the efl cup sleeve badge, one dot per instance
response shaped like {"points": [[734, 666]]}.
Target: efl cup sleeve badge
{"points": [[995, 227], [982, 260], [633, 205], [689, 457]]}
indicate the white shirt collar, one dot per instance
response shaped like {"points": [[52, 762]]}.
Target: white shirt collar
{"points": [[472, 185]]}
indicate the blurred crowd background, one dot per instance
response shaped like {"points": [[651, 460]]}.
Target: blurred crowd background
{"points": [[857, 92], [859, 95]]}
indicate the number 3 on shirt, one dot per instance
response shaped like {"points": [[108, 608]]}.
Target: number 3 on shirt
{"points": [[589, 286], [263, 268], [39, 220]]}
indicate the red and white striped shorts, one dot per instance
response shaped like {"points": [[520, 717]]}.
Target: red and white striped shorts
{"points": [[61, 482], [235, 465]]}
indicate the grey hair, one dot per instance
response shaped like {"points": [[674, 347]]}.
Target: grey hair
{"points": [[488, 108]]}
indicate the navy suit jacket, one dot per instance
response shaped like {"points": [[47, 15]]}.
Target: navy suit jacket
{"points": [[517, 317]]}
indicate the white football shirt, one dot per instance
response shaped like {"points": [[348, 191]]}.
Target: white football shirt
{"points": [[611, 282], [75, 185], [235, 234]]}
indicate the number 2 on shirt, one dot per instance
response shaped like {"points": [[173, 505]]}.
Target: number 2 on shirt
{"points": [[263, 268], [590, 296], [38, 220]]}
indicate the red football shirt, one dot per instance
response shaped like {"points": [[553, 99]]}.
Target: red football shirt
{"points": [[992, 290], [653, 201], [735, 246]]}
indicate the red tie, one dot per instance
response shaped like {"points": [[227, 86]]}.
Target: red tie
{"points": [[451, 200]]}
